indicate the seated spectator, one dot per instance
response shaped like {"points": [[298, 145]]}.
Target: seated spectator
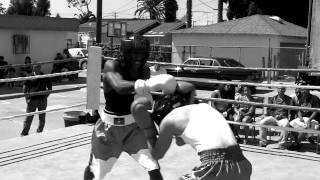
{"points": [[306, 119], [244, 113], [225, 91], [11, 74], [3, 72], [277, 117], [26, 70]]}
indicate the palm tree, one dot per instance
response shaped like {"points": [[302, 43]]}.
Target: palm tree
{"points": [[2, 9], [189, 13], [154, 7], [42, 8]]}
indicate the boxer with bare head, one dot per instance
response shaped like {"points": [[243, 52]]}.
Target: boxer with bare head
{"points": [[117, 131]]}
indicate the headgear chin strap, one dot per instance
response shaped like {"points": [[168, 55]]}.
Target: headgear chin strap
{"points": [[164, 105]]}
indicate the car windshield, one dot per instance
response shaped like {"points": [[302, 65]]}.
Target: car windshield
{"points": [[229, 62], [85, 52]]}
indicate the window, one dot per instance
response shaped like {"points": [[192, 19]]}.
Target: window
{"points": [[191, 62], [21, 44], [156, 40]]}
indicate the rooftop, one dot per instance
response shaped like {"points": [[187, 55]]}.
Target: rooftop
{"points": [[165, 28], [252, 25], [38, 23]]}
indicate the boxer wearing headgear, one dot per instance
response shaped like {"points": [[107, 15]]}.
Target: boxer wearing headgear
{"points": [[207, 131], [117, 131], [142, 106]]}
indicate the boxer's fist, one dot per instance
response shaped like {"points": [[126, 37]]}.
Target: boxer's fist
{"points": [[162, 82], [140, 87]]}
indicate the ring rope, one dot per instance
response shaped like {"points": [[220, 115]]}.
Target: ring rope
{"points": [[31, 146], [40, 76], [40, 63], [259, 104], [245, 83], [18, 95], [233, 68], [46, 148], [40, 112], [311, 131]]}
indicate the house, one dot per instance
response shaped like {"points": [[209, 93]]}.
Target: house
{"points": [[87, 31], [255, 41], [35, 36], [160, 39]]}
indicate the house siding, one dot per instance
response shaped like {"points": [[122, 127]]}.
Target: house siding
{"points": [[199, 45], [43, 45]]}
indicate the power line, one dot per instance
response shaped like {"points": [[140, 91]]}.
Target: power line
{"points": [[204, 3], [124, 5]]}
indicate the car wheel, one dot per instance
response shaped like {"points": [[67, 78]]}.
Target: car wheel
{"points": [[84, 65]]}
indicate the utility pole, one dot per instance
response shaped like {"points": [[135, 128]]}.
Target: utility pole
{"points": [[115, 15], [98, 21]]}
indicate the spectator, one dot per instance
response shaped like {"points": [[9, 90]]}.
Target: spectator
{"points": [[36, 101], [244, 113], [57, 67], [11, 74], [277, 117], [225, 91], [306, 119], [157, 69], [3, 72], [27, 69]]}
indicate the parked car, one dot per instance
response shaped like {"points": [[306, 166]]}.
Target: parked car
{"points": [[82, 55], [225, 74]]}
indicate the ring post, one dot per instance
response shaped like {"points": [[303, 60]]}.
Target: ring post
{"points": [[94, 77]]}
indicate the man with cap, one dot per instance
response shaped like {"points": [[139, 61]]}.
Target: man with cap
{"points": [[116, 131], [201, 126]]}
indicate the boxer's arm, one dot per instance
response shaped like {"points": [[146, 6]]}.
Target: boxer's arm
{"points": [[166, 133], [113, 78]]}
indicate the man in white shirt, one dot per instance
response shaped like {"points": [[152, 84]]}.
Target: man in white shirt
{"points": [[206, 130]]}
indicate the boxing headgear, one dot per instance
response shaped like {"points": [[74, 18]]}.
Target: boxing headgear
{"points": [[136, 45], [164, 105]]}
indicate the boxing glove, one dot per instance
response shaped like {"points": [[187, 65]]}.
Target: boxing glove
{"points": [[140, 87], [165, 83]]}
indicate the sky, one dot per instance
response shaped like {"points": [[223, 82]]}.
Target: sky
{"points": [[204, 11]]}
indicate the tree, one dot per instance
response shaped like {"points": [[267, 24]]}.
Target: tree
{"points": [[58, 15], [85, 14], [189, 13], [171, 8], [2, 9], [155, 8], [18, 7], [42, 8], [294, 11]]}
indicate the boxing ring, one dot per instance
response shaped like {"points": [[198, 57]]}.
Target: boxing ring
{"points": [[64, 153]]}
